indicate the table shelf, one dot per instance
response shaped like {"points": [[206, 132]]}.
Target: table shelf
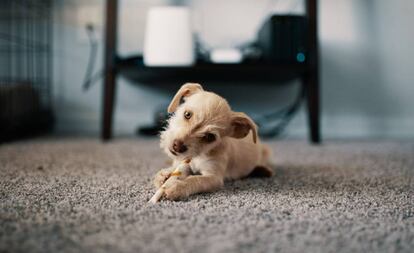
{"points": [[134, 70]]}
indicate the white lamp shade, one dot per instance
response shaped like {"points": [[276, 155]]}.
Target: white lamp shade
{"points": [[168, 37]]}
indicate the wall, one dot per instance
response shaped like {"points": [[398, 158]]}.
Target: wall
{"points": [[366, 64], [366, 61]]}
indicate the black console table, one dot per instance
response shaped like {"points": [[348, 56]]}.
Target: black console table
{"points": [[133, 69]]}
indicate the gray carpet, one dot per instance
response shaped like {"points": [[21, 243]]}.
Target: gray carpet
{"points": [[82, 196]]}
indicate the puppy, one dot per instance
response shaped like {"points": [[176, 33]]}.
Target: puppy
{"points": [[221, 144]]}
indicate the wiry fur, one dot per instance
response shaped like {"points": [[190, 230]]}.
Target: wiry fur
{"points": [[234, 154]]}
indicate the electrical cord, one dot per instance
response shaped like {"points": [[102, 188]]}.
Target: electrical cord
{"points": [[90, 78], [284, 116]]}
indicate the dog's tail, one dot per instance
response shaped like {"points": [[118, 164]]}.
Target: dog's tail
{"points": [[264, 169], [266, 154]]}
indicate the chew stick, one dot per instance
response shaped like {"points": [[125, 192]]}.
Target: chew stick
{"points": [[182, 171]]}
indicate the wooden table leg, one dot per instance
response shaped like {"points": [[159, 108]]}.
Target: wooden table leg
{"points": [[108, 105], [312, 100], [311, 79], [109, 67]]}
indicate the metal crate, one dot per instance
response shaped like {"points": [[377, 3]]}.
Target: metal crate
{"points": [[25, 68]]}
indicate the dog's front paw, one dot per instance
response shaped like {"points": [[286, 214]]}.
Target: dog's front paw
{"points": [[161, 177], [177, 191]]}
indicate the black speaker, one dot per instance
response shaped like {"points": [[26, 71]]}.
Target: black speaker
{"points": [[282, 39]]}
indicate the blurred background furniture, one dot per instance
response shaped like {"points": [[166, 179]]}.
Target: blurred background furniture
{"points": [[134, 69], [25, 68]]}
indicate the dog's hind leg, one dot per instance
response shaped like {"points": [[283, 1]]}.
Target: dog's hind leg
{"points": [[266, 154]]}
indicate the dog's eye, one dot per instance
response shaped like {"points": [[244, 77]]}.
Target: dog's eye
{"points": [[188, 114], [209, 138]]}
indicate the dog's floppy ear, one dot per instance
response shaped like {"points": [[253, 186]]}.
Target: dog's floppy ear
{"points": [[241, 124], [186, 90]]}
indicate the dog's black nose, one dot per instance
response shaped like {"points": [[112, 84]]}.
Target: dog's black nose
{"points": [[179, 147]]}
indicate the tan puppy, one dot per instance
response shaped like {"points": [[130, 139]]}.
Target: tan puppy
{"points": [[222, 144]]}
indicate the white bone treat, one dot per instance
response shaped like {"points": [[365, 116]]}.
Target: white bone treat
{"points": [[181, 172]]}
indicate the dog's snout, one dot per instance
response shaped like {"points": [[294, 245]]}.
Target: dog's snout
{"points": [[179, 147]]}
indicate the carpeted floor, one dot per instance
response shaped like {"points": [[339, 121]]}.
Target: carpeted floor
{"points": [[82, 196]]}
